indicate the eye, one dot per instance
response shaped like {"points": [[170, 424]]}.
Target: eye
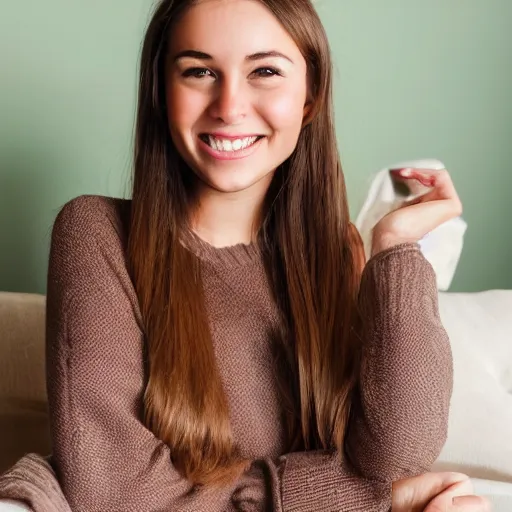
{"points": [[197, 73], [267, 72]]}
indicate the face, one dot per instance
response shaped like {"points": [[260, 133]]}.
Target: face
{"points": [[236, 93]]}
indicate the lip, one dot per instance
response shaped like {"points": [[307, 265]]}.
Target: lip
{"points": [[227, 136], [230, 155]]}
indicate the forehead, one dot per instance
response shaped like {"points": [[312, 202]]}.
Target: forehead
{"points": [[231, 28]]}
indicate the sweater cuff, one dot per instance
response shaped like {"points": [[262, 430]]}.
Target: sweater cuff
{"points": [[313, 481], [27, 481], [397, 279], [396, 249]]}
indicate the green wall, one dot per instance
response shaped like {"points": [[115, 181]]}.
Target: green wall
{"points": [[413, 79]]}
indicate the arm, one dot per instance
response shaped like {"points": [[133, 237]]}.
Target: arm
{"points": [[296, 482], [117, 463], [104, 456], [31, 484], [400, 414]]}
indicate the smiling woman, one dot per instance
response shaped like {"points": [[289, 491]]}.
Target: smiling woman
{"points": [[214, 343], [234, 111]]}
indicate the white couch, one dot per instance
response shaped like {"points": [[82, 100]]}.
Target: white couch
{"points": [[480, 431]]}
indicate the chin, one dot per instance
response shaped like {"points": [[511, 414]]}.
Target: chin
{"points": [[238, 181], [232, 186]]}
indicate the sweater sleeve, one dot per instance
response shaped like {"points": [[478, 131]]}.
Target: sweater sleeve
{"points": [[400, 414], [32, 485], [103, 455], [296, 482]]}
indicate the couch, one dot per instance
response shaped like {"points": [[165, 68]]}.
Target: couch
{"points": [[480, 429]]}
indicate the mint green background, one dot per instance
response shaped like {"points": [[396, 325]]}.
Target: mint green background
{"points": [[414, 79]]}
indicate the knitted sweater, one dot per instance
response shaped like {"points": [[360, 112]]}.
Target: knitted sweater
{"points": [[105, 459]]}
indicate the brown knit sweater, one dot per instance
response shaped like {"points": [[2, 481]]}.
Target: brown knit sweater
{"points": [[107, 460]]}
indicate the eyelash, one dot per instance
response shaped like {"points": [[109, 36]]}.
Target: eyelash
{"points": [[198, 72]]}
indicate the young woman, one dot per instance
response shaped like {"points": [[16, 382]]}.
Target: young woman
{"points": [[217, 343]]}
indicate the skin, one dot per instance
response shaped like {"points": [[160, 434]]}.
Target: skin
{"points": [[421, 215], [233, 93], [236, 95], [437, 492]]}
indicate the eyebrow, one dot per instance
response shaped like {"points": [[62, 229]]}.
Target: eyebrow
{"points": [[251, 58]]}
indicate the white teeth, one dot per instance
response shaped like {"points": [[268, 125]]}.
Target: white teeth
{"points": [[213, 142], [230, 145]]}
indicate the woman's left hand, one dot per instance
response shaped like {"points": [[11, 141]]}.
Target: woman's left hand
{"points": [[437, 492], [417, 217]]}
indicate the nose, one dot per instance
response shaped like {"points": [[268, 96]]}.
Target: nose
{"points": [[230, 102]]}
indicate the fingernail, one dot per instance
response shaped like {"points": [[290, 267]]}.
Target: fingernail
{"points": [[456, 502]]}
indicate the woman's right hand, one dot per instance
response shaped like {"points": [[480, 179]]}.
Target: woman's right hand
{"points": [[437, 492]]}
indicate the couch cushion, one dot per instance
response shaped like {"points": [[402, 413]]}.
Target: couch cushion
{"points": [[23, 407], [480, 428]]}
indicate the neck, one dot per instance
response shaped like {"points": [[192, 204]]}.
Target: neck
{"points": [[223, 219]]}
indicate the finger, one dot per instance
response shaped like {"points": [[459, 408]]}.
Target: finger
{"points": [[410, 174], [471, 504], [454, 204], [432, 214], [440, 180], [416, 492], [423, 198], [444, 502]]}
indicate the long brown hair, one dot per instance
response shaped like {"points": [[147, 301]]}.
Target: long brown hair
{"points": [[313, 254]]}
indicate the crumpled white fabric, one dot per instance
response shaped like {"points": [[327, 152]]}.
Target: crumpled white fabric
{"points": [[442, 247]]}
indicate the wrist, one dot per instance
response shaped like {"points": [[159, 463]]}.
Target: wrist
{"points": [[383, 241]]}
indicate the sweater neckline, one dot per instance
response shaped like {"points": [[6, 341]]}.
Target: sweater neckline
{"points": [[229, 256]]}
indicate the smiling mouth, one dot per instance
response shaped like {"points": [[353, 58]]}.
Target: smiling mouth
{"points": [[229, 145]]}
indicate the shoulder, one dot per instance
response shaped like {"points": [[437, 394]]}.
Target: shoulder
{"points": [[93, 215], [89, 238], [88, 255], [88, 284], [88, 224]]}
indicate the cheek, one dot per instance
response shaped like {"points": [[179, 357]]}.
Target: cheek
{"points": [[184, 107], [284, 111]]}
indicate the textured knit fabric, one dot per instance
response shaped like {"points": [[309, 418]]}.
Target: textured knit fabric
{"points": [[105, 459]]}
